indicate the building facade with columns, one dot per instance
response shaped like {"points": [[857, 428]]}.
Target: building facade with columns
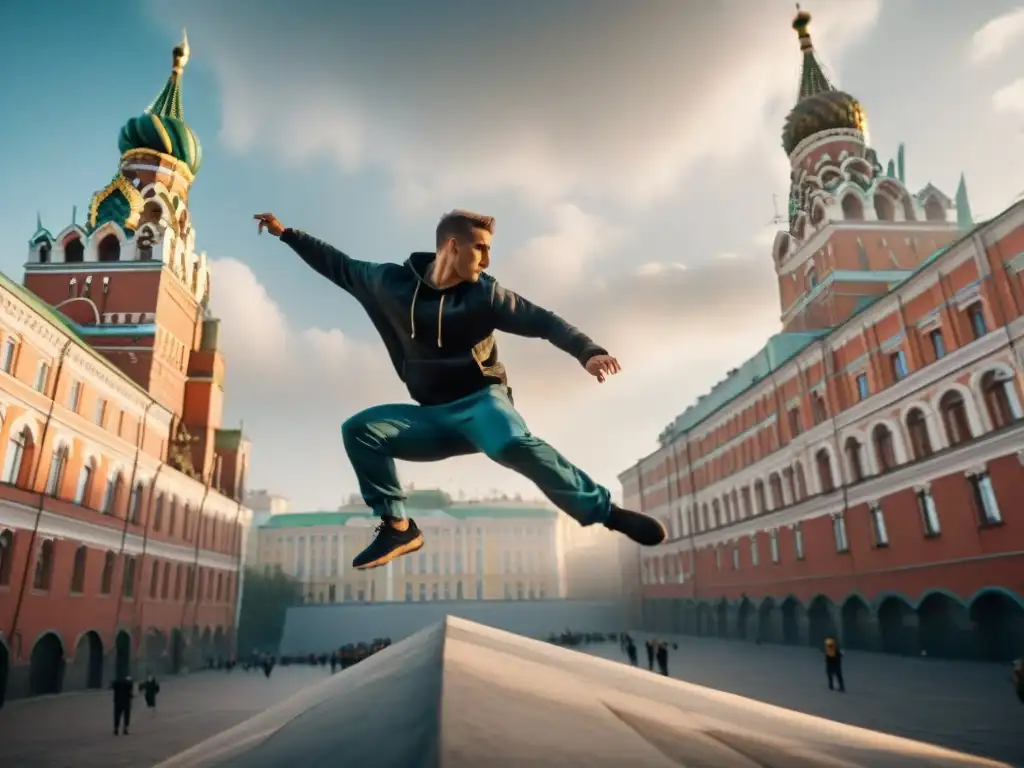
{"points": [[861, 476], [487, 550], [121, 515]]}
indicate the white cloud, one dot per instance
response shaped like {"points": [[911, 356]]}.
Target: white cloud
{"points": [[997, 36], [611, 103], [1010, 98]]}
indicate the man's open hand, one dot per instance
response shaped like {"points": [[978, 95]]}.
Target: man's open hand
{"points": [[269, 222], [602, 366]]}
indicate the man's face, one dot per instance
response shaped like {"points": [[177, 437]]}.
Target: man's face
{"points": [[472, 256]]}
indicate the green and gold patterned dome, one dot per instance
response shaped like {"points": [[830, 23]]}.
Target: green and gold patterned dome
{"points": [[162, 127], [820, 107]]}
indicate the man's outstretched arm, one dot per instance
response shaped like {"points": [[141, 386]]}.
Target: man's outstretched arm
{"points": [[341, 269], [514, 314]]}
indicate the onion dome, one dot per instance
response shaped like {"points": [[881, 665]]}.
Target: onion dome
{"points": [[162, 127], [820, 106]]}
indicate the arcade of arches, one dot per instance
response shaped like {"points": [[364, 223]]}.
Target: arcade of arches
{"points": [[989, 626], [55, 665]]}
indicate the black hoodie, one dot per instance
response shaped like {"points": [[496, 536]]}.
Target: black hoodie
{"points": [[441, 342]]}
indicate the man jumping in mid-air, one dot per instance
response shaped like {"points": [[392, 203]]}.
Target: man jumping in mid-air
{"points": [[437, 315]]}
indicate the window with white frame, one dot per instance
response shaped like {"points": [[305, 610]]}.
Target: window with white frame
{"points": [[773, 544], [100, 413], [754, 559], [735, 557], [929, 514], [9, 354], [798, 541], [42, 377], [985, 499], [839, 533], [878, 530], [75, 396]]}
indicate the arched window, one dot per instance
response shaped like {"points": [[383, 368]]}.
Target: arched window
{"points": [[934, 210], [853, 208], [44, 566], [135, 503], [109, 249], [6, 556], [852, 449], [18, 460], [818, 408], [171, 514], [78, 570], [154, 579], [760, 496], [1000, 398], [165, 584], [775, 483], [44, 252], [884, 451], [112, 494], [158, 512], [178, 576], [58, 463], [884, 209], [107, 578], [74, 251], [824, 464], [800, 482], [920, 441], [716, 514], [954, 417], [83, 493], [128, 581]]}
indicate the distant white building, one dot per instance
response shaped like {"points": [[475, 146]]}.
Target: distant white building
{"points": [[264, 505]]}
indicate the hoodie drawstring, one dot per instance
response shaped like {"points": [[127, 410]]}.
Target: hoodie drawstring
{"points": [[440, 314], [412, 314], [412, 309]]}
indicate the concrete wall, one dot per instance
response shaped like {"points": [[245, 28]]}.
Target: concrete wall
{"points": [[317, 628]]}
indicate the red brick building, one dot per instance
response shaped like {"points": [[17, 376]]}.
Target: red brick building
{"points": [[862, 475], [121, 520]]}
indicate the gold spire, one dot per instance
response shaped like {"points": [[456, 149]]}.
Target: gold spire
{"points": [[181, 52], [812, 79], [801, 22]]}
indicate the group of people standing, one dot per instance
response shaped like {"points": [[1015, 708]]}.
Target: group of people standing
{"points": [[657, 652]]}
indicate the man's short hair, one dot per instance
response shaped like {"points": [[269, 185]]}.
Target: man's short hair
{"points": [[460, 224]]}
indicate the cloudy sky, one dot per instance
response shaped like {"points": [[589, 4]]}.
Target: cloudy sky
{"points": [[629, 150]]}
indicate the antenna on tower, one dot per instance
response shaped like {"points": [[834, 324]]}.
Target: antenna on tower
{"points": [[778, 218]]}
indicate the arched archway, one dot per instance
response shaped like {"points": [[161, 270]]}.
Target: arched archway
{"points": [[5, 665], [177, 660], [206, 646], [88, 665], [122, 655], [941, 620], [743, 616], [155, 646], [766, 621], [792, 612], [722, 616], [856, 620], [705, 620], [999, 625], [897, 626], [220, 648], [821, 621], [46, 667]]}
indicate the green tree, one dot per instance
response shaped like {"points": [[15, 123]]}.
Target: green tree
{"points": [[265, 601]]}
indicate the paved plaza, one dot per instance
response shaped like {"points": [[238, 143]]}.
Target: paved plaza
{"points": [[76, 730], [965, 706]]}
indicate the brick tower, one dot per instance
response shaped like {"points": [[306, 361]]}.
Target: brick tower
{"points": [[132, 285], [854, 228]]}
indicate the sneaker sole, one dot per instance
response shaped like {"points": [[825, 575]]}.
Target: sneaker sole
{"points": [[405, 549]]}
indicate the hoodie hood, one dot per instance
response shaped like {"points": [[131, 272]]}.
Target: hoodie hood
{"points": [[419, 263]]}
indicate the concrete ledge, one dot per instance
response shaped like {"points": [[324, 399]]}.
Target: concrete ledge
{"points": [[461, 695]]}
